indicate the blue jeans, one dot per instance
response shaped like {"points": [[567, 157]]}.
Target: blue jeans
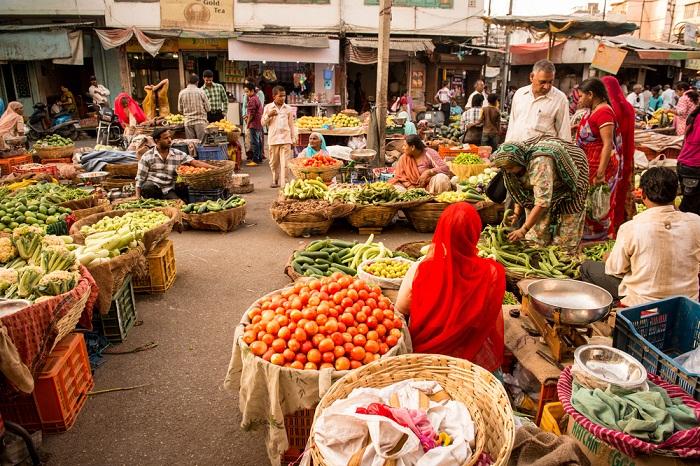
{"points": [[256, 144]]}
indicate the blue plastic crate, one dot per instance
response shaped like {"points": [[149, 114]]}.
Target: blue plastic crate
{"points": [[657, 332], [218, 152], [201, 195]]}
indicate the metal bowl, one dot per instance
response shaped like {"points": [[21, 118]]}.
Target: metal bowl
{"points": [[363, 155], [93, 177], [10, 306], [598, 366], [578, 303]]}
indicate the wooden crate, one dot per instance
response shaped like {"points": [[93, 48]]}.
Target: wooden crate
{"points": [[161, 270]]}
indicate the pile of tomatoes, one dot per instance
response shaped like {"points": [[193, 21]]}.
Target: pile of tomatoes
{"points": [[189, 170], [337, 322], [319, 160]]}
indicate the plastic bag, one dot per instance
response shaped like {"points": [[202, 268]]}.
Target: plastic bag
{"points": [[598, 204]]}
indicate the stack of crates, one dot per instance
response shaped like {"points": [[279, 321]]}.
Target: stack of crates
{"points": [[115, 325], [61, 389], [212, 152], [161, 270]]}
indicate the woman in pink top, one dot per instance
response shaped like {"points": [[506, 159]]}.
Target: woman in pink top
{"points": [[689, 165], [687, 102]]}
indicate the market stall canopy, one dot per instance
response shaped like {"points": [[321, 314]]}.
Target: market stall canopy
{"points": [[535, 47], [652, 50], [580, 27], [364, 50], [112, 38], [325, 51], [41, 41]]}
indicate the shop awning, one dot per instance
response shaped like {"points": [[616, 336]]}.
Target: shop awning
{"points": [[35, 45], [653, 50], [580, 27], [31, 27], [526, 49], [293, 41], [239, 50], [403, 45]]}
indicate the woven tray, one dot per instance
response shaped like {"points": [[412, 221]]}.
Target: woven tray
{"points": [[225, 220], [371, 216], [424, 218], [123, 170], [54, 152], [306, 229], [490, 212], [325, 173], [219, 177]]}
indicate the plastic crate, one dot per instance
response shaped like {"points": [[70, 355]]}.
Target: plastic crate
{"points": [[115, 325], [55, 161], [25, 169], [60, 389], [7, 164], [201, 195], [298, 428], [217, 152], [657, 332], [161, 270], [551, 415]]}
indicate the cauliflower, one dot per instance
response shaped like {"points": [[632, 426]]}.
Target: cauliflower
{"points": [[8, 277], [54, 258], [52, 240], [27, 240], [29, 277], [58, 282], [7, 250]]}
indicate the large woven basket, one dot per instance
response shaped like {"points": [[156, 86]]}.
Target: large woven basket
{"points": [[306, 228], [50, 152], [490, 212], [219, 177], [225, 220], [474, 386], [325, 173], [424, 218], [123, 170], [372, 216], [103, 205]]}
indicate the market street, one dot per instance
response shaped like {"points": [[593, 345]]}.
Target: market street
{"points": [[183, 415]]}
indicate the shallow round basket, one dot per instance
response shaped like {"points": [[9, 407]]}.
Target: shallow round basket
{"points": [[124, 170], [325, 173], [463, 381], [424, 218], [384, 283], [50, 152], [219, 177], [372, 216], [299, 229]]}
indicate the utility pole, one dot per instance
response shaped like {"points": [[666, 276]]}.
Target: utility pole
{"points": [[383, 72], [506, 60], [486, 44]]}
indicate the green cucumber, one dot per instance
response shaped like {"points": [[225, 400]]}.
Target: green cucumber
{"points": [[347, 270], [342, 244], [303, 260], [315, 254]]}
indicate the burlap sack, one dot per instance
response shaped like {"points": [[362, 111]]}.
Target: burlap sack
{"points": [[110, 276], [102, 205], [150, 238], [267, 392], [225, 220]]}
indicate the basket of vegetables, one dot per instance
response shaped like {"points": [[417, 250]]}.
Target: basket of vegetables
{"points": [[54, 147], [122, 170], [424, 218], [208, 178], [309, 217], [387, 273], [318, 166], [467, 164], [374, 206], [145, 203], [220, 215], [102, 205], [410, 198]]}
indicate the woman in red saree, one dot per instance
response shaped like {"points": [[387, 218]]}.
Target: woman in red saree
{"points": [[129, 112], [453, 296], [598, 137], [624, 116]]}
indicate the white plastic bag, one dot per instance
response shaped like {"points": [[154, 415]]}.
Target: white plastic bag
{"points": [[598, 204]]}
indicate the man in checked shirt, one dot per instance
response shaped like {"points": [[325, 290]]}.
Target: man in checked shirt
{"points": [[218, 99], [194, 105]]}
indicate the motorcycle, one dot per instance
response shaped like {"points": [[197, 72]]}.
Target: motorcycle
{"points": [[40, 125], [109, 131], [434, 117]]}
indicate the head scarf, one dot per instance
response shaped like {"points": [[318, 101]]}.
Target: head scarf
{"points": [[310, 151], [457, 296], [10, 118], [624, 114], [134, 109], [571, 168]]}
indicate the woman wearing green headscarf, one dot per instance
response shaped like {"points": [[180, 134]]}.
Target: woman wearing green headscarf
{"points": [[547, 177], [317, 145]]}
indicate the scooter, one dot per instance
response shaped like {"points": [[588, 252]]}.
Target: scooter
{"points": [[40, 125]]}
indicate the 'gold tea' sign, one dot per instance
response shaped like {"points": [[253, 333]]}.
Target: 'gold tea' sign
{"points": [[197, 15]]}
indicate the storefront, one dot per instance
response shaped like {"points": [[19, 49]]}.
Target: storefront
{"points": [[460, 71]]}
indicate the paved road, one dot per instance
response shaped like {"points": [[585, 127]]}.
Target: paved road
{"points": [[184, 416]]}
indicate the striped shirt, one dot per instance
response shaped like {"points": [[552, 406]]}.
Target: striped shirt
{"points": [[194, 105], [163, 173], [216, 93]]}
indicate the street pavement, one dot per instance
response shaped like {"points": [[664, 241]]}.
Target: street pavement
{"points": [[183, 415]]}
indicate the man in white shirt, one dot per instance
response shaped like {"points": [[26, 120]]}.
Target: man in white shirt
{"points": [[539, 109], [669, 97], [636, 99], [657, 254], [444, 97], [99, 93], [478, 89]]}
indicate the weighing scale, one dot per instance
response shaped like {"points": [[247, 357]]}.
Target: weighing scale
{"points": [[361, 172]]}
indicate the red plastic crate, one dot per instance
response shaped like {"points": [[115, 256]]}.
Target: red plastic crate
{"points": [[7, 164], [60, 389], [48, 169], [55, 161]]}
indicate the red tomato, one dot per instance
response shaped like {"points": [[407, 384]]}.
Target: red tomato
{"points": [[321, 319], [361, 317], [315, 284], [346, 302], [258, 348], [342, 327], [311, 328], [277, 359], [348, 347], [301, 358], [300, 335], [363, 294], [296, 365], [310, 366], [283, 320], [268, 338], [331, 325], [353, 331], [333, 288], [347, 337], [294, 345], [314, 356], [342, 364], [372, 322], [306, 347], [363, 329], [391, 340], [314, 301], [355, 364], [359, 340], [348, 319], [373, 335], [352, 294], [357, 353], [316, 339], [295, 315], [372, 346], [289, 355], [383, 348], [326, 365], [284, 333], [268, 354], [398, 323], [309, 314], [249, 337], [337, 338], [395, 332], [328, 356], [326, 345], [338, 351], [279, 345]]}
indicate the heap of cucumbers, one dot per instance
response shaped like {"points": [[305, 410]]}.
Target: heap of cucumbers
{"points": [[214, 206], [323, 257]]}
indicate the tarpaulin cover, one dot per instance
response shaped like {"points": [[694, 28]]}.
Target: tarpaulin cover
{"points": [[35, 45], [112, 38], [580, 27], [76, 46], [524, 49]]}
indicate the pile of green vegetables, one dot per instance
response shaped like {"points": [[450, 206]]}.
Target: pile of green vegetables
{"points": [[137, 222], [145, 203], [321, 258], [596, 252], [509, 299], [366, 194], [453, 132], [52, 192], [214, 206], [54, 141], [468, 195], [468, 158], [305, 189], [36, 266], [103, 246], [544, 262], [413, 194]]}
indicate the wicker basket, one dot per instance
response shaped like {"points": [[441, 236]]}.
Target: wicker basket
{"points": [[490, 212], [103, 205], [116, 183], [413, 249], [424, 218], [325, 173], [47, 152], [372, 216], [219, 177], [313, 228], [123, 170], [474, 386], [463, 172]]}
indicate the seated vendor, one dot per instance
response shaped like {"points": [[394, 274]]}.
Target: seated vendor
{"points": [[421, 167], [157, 170], [129, 112], [656, 254], [11, 123], [317, 145], [409, 127], [453, 296]]}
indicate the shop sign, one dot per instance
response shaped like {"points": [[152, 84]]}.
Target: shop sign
{"points": [[608, 58], [693, 64], [199, 15], [417, 80]]}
